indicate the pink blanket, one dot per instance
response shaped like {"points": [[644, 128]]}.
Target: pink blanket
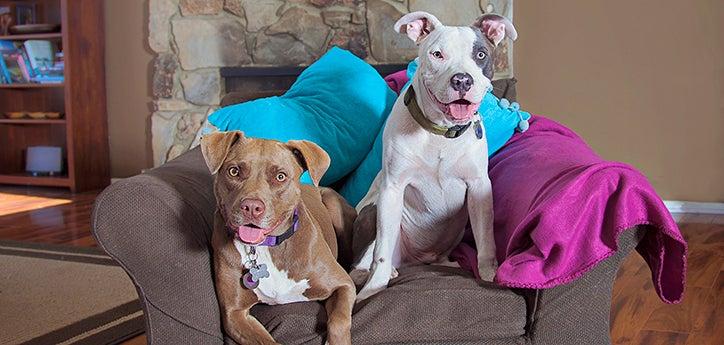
{"points": [[559, 209]]}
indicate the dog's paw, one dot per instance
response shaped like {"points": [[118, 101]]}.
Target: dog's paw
{"points": [[367, 292], [487, 270], [394, 273]]}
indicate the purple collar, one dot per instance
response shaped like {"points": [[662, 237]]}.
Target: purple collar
{"points": [[271, 241]]}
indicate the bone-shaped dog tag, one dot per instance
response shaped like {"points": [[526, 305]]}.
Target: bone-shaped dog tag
{"points": [[259, 272]]}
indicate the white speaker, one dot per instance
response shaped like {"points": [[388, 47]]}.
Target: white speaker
{"points": [[44, 161]]}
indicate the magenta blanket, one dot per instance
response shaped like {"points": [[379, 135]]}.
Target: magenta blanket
{"points": [[559, 209]]}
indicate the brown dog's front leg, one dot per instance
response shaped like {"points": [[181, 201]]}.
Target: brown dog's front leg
{"points": [[339, 315], [246, 329], [235, 303]]}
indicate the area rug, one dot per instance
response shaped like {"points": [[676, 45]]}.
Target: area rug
{"points": [[53, 294]]}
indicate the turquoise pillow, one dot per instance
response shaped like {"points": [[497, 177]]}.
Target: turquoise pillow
{"points": [[339, 102], [500, 118], [359, 182]]}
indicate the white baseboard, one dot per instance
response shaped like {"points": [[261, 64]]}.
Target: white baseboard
{"points": [[676, 206]]}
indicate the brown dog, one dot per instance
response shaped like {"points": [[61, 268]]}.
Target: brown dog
{"points": [[274, 239]]}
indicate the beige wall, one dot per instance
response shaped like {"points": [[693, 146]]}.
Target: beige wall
{"points": [[641, 81], [128, 71]]}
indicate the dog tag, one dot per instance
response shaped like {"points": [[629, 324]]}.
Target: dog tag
{"points": [[259, 272], [248, 281], [478, 130]]}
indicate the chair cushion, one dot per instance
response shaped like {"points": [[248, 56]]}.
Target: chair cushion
{"points": [[430, 303]]}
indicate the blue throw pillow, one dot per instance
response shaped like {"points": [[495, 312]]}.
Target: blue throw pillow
{"points": [[501, 119], [339, 102]]}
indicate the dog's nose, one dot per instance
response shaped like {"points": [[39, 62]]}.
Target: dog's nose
{"points": [[252, 208], [461, 82]]}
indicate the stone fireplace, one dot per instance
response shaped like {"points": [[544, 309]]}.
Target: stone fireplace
{"points": [[194, 39]]}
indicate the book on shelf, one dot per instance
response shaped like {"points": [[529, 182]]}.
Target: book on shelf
{"points": [[31, 61], [13, 70], [3, 79], [23, 67], [40, 52], [47, 79], [5, 46]]}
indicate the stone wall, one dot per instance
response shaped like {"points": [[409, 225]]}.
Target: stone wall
{"points": [[192, 39]]}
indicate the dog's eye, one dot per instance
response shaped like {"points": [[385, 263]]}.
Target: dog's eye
{"points": [[281, 177], [480, 55], [234, 171], [437, 54]]}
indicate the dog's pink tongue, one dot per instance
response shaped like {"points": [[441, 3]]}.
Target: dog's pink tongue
{"points": [[251, 235], [462, 111]]}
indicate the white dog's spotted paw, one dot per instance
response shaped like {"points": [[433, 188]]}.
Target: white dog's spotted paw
{"points": [[394, 273], [367, 292], [487, 271]]}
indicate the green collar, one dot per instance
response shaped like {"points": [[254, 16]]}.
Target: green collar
{"points": [[447, 132]]}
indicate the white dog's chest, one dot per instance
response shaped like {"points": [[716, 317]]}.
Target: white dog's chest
{"points": [[438, 171], [278, 288], [433, 193], [434, 211]]}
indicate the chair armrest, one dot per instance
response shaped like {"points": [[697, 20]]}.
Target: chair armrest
{"points": [[157, 225], [565, 219], [579, 312]]}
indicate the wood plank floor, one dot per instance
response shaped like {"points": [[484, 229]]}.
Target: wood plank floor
{"points": [[638, 316]]}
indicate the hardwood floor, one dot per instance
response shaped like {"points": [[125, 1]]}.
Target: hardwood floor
{"points": [[637, 316], [46, 215]]}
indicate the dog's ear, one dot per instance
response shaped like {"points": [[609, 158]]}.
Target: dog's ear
{"points": [[417, 25], [311, 157], [496, 27], [215, 147]]}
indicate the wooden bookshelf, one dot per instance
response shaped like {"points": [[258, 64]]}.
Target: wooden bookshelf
{"points": [[82, 133], [31, 86], [48, 36], [33, 121]]}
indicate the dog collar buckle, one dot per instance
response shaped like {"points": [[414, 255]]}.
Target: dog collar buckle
{"points": [[456, 131]]}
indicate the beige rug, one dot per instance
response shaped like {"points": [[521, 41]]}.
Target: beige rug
{"points": [[64, 295]]}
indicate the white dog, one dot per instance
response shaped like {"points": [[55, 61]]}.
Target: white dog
{"points": [[434, 166]]}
